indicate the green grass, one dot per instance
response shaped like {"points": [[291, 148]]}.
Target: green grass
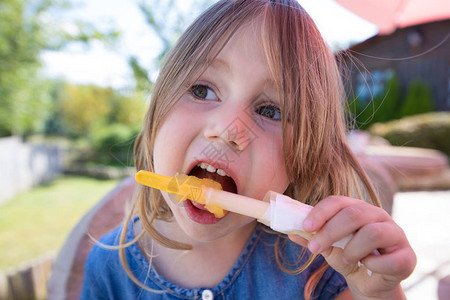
{"points": [[38, 221]]}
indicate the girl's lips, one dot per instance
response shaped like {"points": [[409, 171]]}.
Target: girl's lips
{"points": [[197, 213], [198, 205]]}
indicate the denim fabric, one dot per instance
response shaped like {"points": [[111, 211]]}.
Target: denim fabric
{"points": [[255, 274]]}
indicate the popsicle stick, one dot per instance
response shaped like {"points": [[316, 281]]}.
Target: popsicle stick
{"points": [[236, 203], [257, 209]]}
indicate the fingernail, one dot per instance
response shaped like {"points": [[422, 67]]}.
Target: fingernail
{"points": [[313, 246], [308, 225]]}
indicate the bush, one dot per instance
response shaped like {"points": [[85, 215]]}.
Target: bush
{"points": [[113, 144], [82, 107], [390, 105], [381, 108], [431, 130], [418, 99]]}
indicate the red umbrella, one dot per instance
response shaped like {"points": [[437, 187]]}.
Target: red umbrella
{"points": [[391, 14]]}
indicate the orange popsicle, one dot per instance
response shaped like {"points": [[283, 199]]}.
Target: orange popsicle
{"points": [[184, 187]]}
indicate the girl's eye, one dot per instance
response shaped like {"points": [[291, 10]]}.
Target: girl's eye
{"points": [[270, 111], [203, 92]]}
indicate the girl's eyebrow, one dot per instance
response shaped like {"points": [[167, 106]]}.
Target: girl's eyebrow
{"points": [[216, 64], [219, 63]]}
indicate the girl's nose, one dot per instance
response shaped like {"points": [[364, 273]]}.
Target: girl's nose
{"points": [[234, 127]]}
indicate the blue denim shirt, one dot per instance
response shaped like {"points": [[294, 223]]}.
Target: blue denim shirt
{"points": [[255, 274]]}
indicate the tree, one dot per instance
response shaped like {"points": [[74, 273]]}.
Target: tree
{"points": [[167, 24], [83, 109], [85, 105], [381, 107], [128, 110], [20, 40], [418, 99], [25, 30]]}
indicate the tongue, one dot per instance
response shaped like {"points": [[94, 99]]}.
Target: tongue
{"points": [[227, 182]]}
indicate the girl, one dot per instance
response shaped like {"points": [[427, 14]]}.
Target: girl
{"points": [[251, 97]]}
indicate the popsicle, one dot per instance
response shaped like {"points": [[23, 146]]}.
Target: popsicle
{"points": [[183, 187], [277, 211]]}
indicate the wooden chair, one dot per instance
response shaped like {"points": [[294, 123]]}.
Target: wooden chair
{"points": [[68, 269]]}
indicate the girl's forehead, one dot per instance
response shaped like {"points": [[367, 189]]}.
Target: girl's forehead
{"points": [[247, 38]]}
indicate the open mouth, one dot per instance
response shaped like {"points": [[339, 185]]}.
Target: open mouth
{"points": [[204, 170]]}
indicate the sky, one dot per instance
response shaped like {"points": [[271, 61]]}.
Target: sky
{"points": [[107, 66]]}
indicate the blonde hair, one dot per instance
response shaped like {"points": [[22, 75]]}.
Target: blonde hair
{"points": [[318, 160]]}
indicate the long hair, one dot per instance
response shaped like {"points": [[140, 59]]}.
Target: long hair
{"points": [[318, 160]]}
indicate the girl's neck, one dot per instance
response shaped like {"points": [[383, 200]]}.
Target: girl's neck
{"points": [[205, 265]]}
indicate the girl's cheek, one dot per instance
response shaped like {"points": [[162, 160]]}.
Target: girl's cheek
{"points": [[165, 154]]}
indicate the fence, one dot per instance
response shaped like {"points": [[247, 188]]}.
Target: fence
{"points": [[23, 166], [27, 281]]}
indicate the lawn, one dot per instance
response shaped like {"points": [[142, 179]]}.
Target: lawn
{"points": [[37, 222]]}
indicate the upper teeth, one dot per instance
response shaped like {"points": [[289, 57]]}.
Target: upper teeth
{"points": [[212, 169]]}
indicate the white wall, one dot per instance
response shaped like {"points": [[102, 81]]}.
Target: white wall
{"points": [[23, 166]]}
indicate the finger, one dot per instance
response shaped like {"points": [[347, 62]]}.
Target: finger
{"points": [[325, 210], [399, 263], [370, 238], [298, 240], [346, 222]]}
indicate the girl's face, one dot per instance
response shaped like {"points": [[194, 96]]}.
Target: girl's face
{"points": [[227, 127]]}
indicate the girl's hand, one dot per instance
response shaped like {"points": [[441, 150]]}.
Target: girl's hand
{"points": [[378, 243]]}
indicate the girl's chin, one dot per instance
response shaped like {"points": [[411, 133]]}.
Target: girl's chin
{"points": [[199, 215]]}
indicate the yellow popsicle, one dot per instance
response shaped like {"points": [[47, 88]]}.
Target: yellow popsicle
{"points": [[184, 187], [209, 192]]}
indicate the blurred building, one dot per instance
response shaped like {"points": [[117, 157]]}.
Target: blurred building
{"points": [[419, 52]]}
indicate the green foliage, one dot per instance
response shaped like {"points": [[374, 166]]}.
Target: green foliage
{"points": [[431, 130], [54, 125], [381, 108], [418, 99], [113, 144], [27, 27], [20, 91], [128, 110], [83, 106], [141, 75], [106, 120], [167, 24], [390, 105]]}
